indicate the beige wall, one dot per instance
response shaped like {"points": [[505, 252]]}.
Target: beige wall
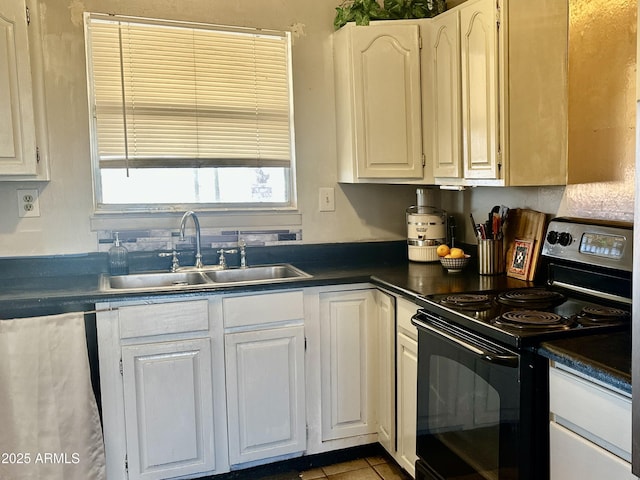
{"points": [[66, 202], [363, 212]]}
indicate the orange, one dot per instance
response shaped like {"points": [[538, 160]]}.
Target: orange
{"points": [[442, 250], [457, 253]]}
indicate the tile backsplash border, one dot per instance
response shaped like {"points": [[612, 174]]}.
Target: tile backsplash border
{"points": [[141, 240]]}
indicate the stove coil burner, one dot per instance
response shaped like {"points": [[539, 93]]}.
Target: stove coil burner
{"points": [[467, 301], [532, 319], [533, 298], [593, 314]]}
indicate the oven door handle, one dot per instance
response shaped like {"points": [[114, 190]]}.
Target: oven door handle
{"points": [[506, 359]]}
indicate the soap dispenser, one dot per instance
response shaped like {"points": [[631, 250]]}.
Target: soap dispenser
{"points": [[118, 258]]}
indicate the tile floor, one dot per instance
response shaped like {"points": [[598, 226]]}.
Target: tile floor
{"points": [[368, 468], [356, 464]]}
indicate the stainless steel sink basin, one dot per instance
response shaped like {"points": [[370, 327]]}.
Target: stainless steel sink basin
{"points": [[202, 278], [256, 274], [152, 281]]}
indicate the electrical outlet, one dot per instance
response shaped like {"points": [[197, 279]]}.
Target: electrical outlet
{"points": [[327, 199], [28, 205]]}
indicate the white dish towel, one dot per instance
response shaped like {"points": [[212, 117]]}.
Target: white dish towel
{"points": [[49, 423]]}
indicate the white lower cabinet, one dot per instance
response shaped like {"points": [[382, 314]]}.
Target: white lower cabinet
{"points": [[387, 370], [162, 384], [341, 366], [265, 393], [590, 429], [398, 360], [406, 385], [407, 375], [348, 345], [196, 387], [168, 405]]}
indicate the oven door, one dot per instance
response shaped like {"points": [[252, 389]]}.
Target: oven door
{"points": [[468, 404]]}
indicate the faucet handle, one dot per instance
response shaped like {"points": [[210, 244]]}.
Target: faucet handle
{"points": [[242, 244], [223, 261], [175, 264]]}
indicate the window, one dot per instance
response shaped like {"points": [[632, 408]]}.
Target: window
{"points": [[189, 115]]}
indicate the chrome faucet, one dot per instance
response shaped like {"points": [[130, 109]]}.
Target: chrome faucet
{"points": [[196, 223]]}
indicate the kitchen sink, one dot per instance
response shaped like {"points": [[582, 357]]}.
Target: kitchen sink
{"points": [[156, 280], [207, 277], [256, 274]]}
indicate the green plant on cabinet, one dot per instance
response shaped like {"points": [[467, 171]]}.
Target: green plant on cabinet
{"points": [[363, 11]]}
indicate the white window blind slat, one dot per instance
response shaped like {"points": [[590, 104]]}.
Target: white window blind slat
{"points": [[179, 96]]}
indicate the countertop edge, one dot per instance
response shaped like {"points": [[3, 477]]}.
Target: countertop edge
{"points": [[586, 366]]}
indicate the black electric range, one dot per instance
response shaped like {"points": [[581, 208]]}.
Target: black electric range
{"points": [[588, 289], [482, 402]]}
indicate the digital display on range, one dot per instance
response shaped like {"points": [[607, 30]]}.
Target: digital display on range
{"points": [[610, 246]]}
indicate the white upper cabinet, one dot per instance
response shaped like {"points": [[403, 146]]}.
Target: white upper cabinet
{"points": [[23, 144], [444, 46], [479, 79], [378, 103], [499, 93]]}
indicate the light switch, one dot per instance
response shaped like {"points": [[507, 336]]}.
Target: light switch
{"points": [[327, 199]]}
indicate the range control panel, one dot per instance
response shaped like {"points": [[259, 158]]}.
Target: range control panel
{"points": [[602, 243]]}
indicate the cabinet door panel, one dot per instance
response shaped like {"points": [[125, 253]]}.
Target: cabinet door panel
{"points": [[478, 30], [168, 406], [407, 361], [386, 63], [387, 371], [445, 90], [265, 393], [348, 337], [17, 121]]}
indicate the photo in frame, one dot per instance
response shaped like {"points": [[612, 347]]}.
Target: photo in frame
{"points": [[520, 261]]}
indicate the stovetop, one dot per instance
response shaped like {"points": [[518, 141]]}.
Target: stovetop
{"points": [[588, 264], [527, 316]]}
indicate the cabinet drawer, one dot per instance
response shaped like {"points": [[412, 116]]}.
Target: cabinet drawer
{"points": [[574, 458], [599, 413], [266, 308], [163, 318]]}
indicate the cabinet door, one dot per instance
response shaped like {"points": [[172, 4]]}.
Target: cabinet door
{"points": [[265, 393], [478, 43], [17, 122], [387, 371], [348, 339], [168, 403], [445, 100], [387, 101], [407, 361]]}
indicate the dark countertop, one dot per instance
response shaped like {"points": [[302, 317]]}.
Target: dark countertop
{"points": [[606, 357], [20, 297]]}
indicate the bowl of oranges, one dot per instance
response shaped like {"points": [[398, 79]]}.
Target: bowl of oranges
{"points": [[453, 259]]}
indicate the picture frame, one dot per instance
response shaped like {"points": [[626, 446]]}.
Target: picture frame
{"points": [[520, 261]]}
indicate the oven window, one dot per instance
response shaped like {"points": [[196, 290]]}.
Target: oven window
{"points": [[464, 415]]}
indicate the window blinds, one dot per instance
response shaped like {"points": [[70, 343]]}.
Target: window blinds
{"points": [[175, 95]]}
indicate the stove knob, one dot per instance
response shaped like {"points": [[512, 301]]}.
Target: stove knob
{"points": [[552, 237], [565, 239]]}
